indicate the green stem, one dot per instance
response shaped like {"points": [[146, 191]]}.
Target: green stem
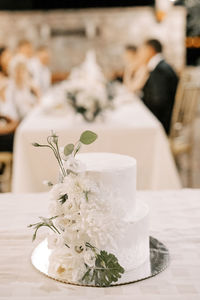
{"points": [[75, 150], [57, 155], [94, 249], [61, 163], [56, 229]]}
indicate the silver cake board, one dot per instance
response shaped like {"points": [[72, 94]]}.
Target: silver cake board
{"points": [[158, 261]]}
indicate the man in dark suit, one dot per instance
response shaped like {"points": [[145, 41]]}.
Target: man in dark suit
{"points": [[160, 88]]}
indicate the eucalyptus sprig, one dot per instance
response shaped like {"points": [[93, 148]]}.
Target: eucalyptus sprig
{"points": [[52, 143], [86, 138], [44, 222], [106, 270]]}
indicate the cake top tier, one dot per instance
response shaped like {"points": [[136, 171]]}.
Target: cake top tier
{"points": [[101, 161]]}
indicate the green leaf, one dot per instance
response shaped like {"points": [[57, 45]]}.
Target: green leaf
{"points": [[86, 276], [68, 149], [63, 198], [106, 271], [86, 193], [88, 137]]}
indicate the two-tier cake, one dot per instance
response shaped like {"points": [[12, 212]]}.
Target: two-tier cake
{"points": [[98, 229]]}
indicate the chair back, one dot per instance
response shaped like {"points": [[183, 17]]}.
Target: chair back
{"points": [[185, 106], [5, 177]]}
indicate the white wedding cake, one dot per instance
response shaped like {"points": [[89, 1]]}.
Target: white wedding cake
{"points": [[115, 175], [99, 231]]}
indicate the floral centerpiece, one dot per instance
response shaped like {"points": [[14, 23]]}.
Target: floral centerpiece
{"points": [[78, 218], [89, 103], [87, 90]]}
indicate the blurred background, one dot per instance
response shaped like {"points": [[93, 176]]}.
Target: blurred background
{"points": [[70, 28], [104, 25]]}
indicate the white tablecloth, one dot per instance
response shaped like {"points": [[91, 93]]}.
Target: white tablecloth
{"points": [[130, 130], [174, 219]]}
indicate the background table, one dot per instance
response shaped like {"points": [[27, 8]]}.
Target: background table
{"points": [[174, 219], [131, 129]]}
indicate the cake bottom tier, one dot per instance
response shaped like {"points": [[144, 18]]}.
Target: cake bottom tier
{"points": [[132, 246]]}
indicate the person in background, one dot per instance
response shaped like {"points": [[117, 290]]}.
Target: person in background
{"points": [[7, 125], [22, 95], [160, 88], [39, 69], [7, 131], [25, 48], [135, 73], [4, 107], [5, 58]]}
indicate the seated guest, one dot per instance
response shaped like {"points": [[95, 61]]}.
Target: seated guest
{"points": [[135, 73], [25, 48], [7, 125], [40, 70], [160, 88], [5, 58], [7, 130], [22, 95], [4, 107]]}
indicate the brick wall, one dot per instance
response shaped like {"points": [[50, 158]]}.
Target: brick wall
{"points": [[70, 34]]}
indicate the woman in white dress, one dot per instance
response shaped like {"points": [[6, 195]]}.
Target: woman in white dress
{"points": [[21, 94]]}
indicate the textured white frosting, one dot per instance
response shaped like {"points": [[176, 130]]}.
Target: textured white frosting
{"points": [[132, 247], [116, 174]]}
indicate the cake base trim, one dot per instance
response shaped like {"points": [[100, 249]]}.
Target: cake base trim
{"points": [[157, 262]]}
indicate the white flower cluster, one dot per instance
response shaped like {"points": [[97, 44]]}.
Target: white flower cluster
{"points": [[88, 86], [71, 163], [83, 216], [90, 98]]}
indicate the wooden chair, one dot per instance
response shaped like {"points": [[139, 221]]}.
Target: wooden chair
{"points": [[5, 177], [7, 130], [181, 130]]}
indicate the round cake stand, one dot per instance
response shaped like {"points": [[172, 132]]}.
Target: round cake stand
{"points": [[158, 261]]}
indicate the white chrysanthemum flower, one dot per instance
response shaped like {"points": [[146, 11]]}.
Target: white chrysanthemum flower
{"points": [[55, 241], [66, 264], [55, 209], [74, 164], [84, 216], [84, 99], [56, 191]]}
